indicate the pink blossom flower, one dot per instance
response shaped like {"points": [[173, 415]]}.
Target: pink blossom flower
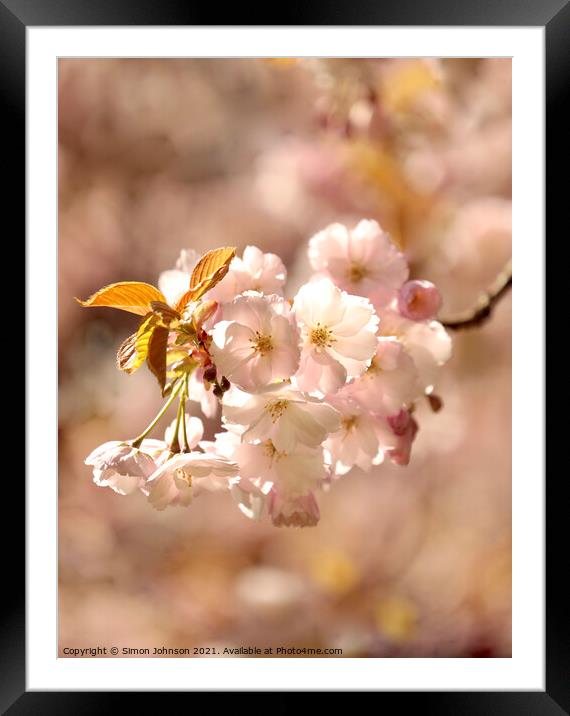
{"points": [[419, 300], [294, 472], [338, 334], [249, 493], [361, 440], [257, 342], [308, 390], [280, 483], [277, 483], [255, 271], [362, 261], [184, 476], [120, 466], [283, 415], [390, 382], [296, 511], [404, 427], [250, 497], [175, 282], [271, 481], [427, 342], [225, 443]]}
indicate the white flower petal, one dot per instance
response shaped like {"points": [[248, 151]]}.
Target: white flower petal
{"points": [[173, 284]]}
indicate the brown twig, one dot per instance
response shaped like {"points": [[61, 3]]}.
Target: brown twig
{"points": [[484, 307]]}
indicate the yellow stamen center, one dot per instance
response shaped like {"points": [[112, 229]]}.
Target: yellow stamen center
{"points": [[269, 448], [271, 451], [277, 408], [374, 368], [321, 336], [356, 273], [348, 422], [262, 344], [183, 474]]}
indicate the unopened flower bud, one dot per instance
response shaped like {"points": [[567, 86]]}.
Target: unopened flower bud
{"points": [[419, 300], [405, 428], [400, 422]]}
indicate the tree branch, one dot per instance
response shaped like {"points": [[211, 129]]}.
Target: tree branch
{"points": [[481, 312]]}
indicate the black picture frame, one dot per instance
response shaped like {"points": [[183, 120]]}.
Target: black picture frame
{"points": [[15, 16]]}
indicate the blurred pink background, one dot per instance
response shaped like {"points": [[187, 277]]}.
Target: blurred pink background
{"points": [[160, 155]]}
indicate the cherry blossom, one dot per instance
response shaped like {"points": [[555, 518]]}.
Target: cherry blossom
{"points": [[257, 342], [361, 440], [224, 443], [293, 472], [280, 483], [419, 300], [184, 476], [427, 342], [283, 415], [297, 511], [249, 491], [271, 482], [338, 333], [120, 466], [251, 496], [255, 271], [390, 381], [310, 387], [174, 283], [362, 261]]}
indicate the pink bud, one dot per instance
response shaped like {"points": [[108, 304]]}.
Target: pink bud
{"points": [[405, 428], [419, 300], [400, 422]]}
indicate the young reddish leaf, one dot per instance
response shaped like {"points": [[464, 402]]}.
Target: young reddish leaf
{"points": [[144, 334], [210, 264], [166, 313], [131, 296], [209, 271], [127, 355], [156, 358], [134, 350]]}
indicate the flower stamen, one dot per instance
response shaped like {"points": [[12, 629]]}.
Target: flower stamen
{"points": [[262, 344], [357, 272], [277, 408], [348, 423], [269, 448], [374, 367], [183, 474], [321, 336], [271, 451]]}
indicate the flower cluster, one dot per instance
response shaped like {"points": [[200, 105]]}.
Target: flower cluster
{"points": [[309, 387]]}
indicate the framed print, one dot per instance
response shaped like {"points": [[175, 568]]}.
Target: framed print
{"points": [[269, 312]]}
